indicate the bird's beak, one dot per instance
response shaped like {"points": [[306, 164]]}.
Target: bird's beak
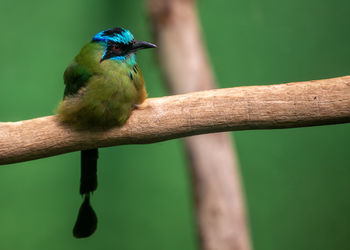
{"points": [[137, 45]]}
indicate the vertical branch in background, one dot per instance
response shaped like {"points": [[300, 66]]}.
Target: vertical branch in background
{"points": [[218, 194]]}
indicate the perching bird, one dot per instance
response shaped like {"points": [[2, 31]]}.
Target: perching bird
{"points": [[103, 85]]}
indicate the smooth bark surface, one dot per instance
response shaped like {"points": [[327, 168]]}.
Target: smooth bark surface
{"points": [[242, 108]]}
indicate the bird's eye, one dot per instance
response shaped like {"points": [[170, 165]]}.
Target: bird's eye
{"points": [[115, 48]]}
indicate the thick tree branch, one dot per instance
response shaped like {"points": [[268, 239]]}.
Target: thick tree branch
{"points": [[242, 108]]}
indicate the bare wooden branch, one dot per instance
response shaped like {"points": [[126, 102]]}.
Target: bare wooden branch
{"points": [[242, 108], [212, 159]]}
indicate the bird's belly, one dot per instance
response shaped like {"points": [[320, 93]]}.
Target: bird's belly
{"points": [[102, 103], [110, 103]]}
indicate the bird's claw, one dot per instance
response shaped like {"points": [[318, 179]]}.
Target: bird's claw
{"points": [[141, 106]]}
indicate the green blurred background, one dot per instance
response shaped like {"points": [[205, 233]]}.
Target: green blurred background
{"points": [[296, 181]]}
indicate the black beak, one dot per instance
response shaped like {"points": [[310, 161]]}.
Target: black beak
{"points": [[137, 45]]}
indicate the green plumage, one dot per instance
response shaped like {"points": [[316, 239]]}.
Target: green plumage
{"points": [[100, 94]]}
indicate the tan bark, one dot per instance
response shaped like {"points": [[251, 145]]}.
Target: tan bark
{"points": [[242, 108]]}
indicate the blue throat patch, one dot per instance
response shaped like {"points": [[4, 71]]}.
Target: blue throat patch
{"points": [[130, 59]]}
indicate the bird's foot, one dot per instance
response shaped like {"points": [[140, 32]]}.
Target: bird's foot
{"points": [[141, 106]]}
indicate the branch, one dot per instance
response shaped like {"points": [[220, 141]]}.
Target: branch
{"points": [[242, 108]]}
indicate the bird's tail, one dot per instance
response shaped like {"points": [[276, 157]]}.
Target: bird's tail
{"points": [[86, 223], [88, 179]]}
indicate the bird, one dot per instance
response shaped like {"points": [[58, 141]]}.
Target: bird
{"points": [[103, 84]]}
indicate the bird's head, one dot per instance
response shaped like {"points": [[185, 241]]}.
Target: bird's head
{"points": [[119, 43]]}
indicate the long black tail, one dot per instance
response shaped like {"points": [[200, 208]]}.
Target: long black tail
{"points": [[86, 223], [88, 179]]}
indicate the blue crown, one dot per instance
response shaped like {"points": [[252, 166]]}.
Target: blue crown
{"points": [[117, 35]]}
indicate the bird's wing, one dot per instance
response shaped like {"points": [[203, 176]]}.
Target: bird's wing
{"points": [[75, 77]]}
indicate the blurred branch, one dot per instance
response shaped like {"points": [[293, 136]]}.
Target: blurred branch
{"points": [[212, 158], [242, 108]]}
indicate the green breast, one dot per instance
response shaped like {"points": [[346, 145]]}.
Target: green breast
{"points": [[99, 94]]}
